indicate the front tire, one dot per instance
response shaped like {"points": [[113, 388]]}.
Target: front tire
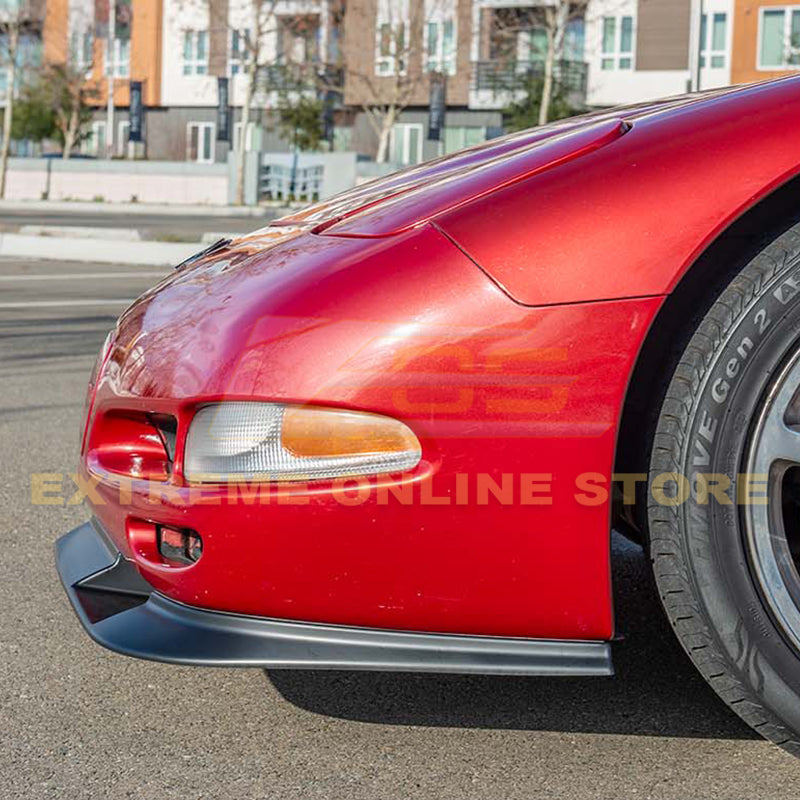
{"points": [[725, 547]]}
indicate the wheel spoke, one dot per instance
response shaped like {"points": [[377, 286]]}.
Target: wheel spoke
{"points": [[776, 446], [779, 442]]}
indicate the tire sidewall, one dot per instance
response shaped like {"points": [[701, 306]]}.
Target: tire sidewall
{"points": [[764, 334]]}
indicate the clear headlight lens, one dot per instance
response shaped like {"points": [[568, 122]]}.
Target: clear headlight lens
{"points": [[275, 442]]}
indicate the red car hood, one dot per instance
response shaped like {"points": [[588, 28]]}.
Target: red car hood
{"points": [[409, 197]]}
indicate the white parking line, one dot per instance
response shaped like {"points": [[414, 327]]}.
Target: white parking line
{"points": [[57, 303], [78, 276]]}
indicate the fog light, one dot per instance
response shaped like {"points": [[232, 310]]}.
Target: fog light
{"points": [[183, 547]]}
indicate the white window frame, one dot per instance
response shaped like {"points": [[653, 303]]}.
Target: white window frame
{"points": [[201, 126], [194, 65], [248, 139], [395, 15], [707, 52], [82, 49], [121, 142], [402, 128], [442, 13], [787, 39], [617, 56], [122, 58], [309, 45], [449, 131], [93, 143], [236, 65]]}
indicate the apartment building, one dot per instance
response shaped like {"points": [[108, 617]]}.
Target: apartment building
{"points": [[766, 40], [394, 54], [29, 15], [77, 32], [638, 50], [488, 52], [177, 50], [204, 40]]}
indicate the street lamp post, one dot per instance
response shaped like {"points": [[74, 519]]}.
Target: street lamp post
{"points": [[110, 63]]}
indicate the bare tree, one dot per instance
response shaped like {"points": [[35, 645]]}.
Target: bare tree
{"points": [[245, 29], [546, 26], [254, 56], [555, 24], [387, 74], [16, 18], [72, 94]]}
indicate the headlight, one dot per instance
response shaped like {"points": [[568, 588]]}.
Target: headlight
{"points": [[271, 441]]}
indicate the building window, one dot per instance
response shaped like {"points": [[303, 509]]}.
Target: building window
{"points": [[406, 143], [574, 39], [713, 52], [195, 52], [81, 50], [96, 143], [121, 144], [391, 37], [200, 142], [248, 139], [238, 51], [536, 45], [440, 36], [120, 65], [617, 51], [457, 138], [298, 39], [779, 38]]}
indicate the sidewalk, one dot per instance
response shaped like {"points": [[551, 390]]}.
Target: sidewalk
{"points": [[112, 251], [80, 206], [122, 233]]}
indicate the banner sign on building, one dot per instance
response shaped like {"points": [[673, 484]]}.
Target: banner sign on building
{"points": [[328, 104], [223, 111], [136, 112], [437, 106]]}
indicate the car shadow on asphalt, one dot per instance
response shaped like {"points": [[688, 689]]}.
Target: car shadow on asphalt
{"points": [[656, 690]]}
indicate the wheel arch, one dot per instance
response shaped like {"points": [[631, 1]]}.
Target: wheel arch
{"points": [[693, 294]]}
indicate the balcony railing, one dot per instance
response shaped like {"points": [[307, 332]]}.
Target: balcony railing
{"points": [[516, 76], [287, 77], [295, 77]]}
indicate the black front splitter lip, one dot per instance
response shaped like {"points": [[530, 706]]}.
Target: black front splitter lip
{"points": [[145, 624]]}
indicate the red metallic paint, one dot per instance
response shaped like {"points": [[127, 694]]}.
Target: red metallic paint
{"points": [[626, 219], [499, 393], [407, 327]]}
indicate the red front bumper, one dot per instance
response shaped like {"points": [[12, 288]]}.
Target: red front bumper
{"points": [[494, 533]]}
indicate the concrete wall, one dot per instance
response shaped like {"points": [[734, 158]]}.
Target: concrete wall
{"points": [[117, 181]]}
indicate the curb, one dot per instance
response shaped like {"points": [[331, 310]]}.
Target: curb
{"points": [[155, 254]]}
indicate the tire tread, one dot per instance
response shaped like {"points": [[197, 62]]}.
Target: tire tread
{"points": [[667, 545]]}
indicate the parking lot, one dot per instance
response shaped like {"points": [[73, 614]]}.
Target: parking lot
{"points": [[78, 721]]}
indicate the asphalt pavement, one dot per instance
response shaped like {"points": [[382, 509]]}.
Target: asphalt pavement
{"points": [[77, 721]]}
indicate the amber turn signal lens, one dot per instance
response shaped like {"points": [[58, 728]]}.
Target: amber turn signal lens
{"points": [[274, 442], [310, 432]]}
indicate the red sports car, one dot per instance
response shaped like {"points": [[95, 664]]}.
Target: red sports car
{"points": [[396, 429]]}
